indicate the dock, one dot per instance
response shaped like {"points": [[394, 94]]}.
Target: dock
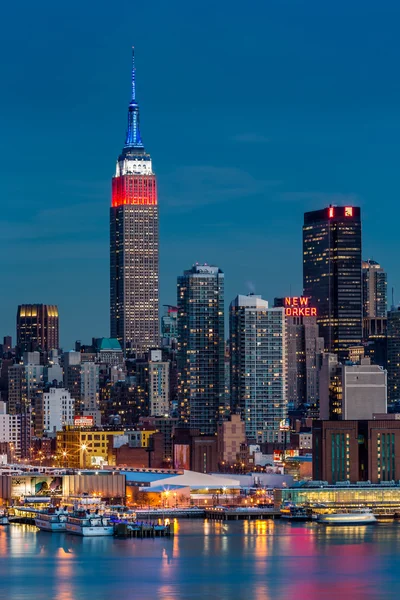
{"points": [[241, 513], [142, 530]]}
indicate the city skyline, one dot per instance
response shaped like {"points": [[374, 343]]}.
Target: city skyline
{"points": [[264, 159]]}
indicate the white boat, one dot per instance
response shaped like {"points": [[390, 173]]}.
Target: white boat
{"points": [[51, 520], [358, 516], [86, 523]]}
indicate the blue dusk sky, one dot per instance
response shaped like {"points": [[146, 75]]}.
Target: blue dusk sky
{"points": [[252, 112]]}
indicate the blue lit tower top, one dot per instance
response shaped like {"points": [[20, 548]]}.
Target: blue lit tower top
{"points": [[133, 139], [133, 159]]}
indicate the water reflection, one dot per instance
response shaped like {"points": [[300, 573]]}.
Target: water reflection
{"points": [[217, 560]]}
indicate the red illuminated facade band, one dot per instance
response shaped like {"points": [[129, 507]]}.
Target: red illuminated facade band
{"points": [[134, 190]]}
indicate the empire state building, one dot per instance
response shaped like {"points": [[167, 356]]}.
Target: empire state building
{"points": [[134, 294]]}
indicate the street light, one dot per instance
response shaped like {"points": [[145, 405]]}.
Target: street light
{"points": [[83, 448]]}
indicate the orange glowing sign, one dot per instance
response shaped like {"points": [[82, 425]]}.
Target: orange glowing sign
{"points": [[298, 306], [348, 211], [331, 212]]}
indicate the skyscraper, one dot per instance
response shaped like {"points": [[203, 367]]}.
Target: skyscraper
{"points": [[332, 274], [258, 366], [201, 345], [374, 289], [37, 327], [134, 242], [393, 353]]}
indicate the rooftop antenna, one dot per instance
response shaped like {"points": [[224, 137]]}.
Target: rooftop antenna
{"points": [[133, 75]]}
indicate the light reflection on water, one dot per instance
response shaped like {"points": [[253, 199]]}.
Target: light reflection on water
{"points": [[222, 560]]}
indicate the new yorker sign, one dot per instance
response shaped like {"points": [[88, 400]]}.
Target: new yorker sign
{"points": [[299, 306]]}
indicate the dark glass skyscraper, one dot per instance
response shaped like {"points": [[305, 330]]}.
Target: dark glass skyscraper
{"points": [[393, 354], [134, 243], [374, 289], [332, 274], [201, 345], [37, 327]]}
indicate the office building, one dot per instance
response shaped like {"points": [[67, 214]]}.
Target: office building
{"points": [[332, 274], [201, 342], [37, 327], [356, 450], [374, 281], [375, 340], [351, 391], [303, 349], [258, 366], [393, 353], [134, 243]]}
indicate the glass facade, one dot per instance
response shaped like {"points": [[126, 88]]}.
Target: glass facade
{"points": [[374, 289], [393, 354], [332, 274], [201, 346], [340, 457], [352, 495], [386, 456], [258, 366]]}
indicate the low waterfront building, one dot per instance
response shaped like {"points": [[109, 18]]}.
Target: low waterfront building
{"points": [[341, 495], [33, 486], [356, 451]]}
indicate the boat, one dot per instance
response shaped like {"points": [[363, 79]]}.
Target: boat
{"points": [[294, 513], [51, 519], [4, 518], [87, 524], [358, 516]]}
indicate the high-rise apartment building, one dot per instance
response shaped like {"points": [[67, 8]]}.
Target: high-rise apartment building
{"points": [[332, 274], [374, 281], [158, 384], [54, 410], [10, 431], [258, 366], [393, 353], [37, 327], [201, 347], [134, 243]]}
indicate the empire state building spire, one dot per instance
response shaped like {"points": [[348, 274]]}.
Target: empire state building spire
{"points": [[133, 138], [134, 242]]}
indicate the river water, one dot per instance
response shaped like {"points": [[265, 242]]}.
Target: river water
{"points": [[260, 560]]}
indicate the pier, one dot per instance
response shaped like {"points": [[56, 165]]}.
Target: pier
{"points": [[241, 513], [142, 530]]}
